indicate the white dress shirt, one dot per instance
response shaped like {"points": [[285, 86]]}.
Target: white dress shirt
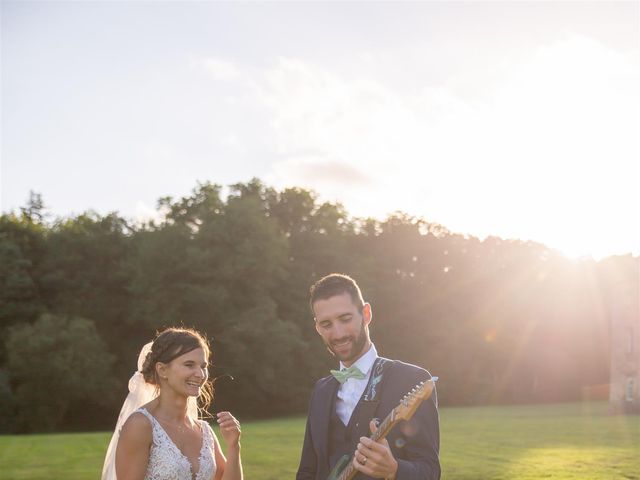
{"points": [[349, 392]]}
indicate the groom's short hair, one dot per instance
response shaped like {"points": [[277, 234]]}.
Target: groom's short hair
{"points": [[332, 285]]}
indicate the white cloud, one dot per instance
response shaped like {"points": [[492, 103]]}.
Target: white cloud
{"points": [[219, 69], [547, 155], [321, 173], [545, 152]]}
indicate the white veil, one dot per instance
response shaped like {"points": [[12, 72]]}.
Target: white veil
{"points": [[140, 393]]}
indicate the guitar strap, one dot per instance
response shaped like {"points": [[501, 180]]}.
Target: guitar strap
{"points": [[372, 391]]}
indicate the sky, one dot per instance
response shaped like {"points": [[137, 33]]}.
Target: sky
{"points": [[510, 118]]}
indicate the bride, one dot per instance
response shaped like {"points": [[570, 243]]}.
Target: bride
{"points": [[158, 435]]}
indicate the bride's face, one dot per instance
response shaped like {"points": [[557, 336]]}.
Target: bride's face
{"points": [[186, 374]]}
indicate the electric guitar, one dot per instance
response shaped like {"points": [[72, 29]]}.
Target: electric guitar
{"points": [[344, 469]]}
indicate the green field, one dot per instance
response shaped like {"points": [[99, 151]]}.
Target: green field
{"points": [[568, 441]]}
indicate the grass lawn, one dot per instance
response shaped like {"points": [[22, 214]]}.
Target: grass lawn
{"points": [[567, 441]]}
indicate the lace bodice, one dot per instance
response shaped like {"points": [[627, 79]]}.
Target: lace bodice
{"points": [[166, 461]]}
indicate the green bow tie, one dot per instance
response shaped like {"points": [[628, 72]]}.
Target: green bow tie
{"points": [[346, 373]]}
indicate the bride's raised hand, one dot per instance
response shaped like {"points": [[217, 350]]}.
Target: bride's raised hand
{"points": [[229, 428]]}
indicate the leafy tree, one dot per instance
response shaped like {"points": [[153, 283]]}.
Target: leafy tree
{"points": [[84, 272], [19, 300], [498, 320], [22, 248], [55, 362], [34, 210], [7, 404]]}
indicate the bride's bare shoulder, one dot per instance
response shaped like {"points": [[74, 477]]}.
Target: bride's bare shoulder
{"points": [[137, 427]]}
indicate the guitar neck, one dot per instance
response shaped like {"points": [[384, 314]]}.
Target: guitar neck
{"points": [[383, 429]]}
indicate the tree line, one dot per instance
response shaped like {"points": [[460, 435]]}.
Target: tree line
{"points": [[499, 321]]}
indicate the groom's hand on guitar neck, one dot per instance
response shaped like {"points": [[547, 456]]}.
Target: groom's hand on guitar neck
{"points": [[375, 458]]}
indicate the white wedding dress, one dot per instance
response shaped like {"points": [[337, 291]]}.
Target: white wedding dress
{"points": [[166, 461]]}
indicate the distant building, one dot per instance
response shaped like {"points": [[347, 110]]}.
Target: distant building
{"points": [[624, 392]]}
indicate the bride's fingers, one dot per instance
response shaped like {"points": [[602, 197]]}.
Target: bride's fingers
{"points": [[228, 420], [224, 416], [229, 423]]}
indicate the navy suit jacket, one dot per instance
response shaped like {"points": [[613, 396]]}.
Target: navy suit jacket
{"points": [[415, 444]]}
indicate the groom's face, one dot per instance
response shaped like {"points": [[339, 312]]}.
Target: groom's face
{"points": [[343, 327]]}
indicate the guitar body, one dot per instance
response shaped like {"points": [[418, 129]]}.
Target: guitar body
{"points": [[340, 465]]}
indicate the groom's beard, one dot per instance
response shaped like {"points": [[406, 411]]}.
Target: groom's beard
{"points": [[358, 343]]}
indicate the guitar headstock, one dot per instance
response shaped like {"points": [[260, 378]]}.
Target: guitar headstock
{"points": [[412, 400]]}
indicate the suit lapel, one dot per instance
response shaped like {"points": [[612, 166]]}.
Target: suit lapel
{"points": [[385, 386], [321, 418], [369, 403], [368, 409]]}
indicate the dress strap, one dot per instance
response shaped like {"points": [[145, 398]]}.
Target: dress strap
{"points": [[146, 414], [206, 426], [156, 428]]}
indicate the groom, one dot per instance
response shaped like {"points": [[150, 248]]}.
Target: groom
{"points": [[343, 404]]}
